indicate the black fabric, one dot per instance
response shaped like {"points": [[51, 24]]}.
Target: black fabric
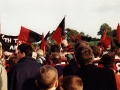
{"points": [[34, 37], [70, 69], [5, 45], [59, 69], [95, 78], [22, 75], [85, 38], [62, 26]]}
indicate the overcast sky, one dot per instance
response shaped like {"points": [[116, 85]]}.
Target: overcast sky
{"points": [[45, 15]]}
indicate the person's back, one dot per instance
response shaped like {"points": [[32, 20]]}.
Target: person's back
{"points": [[94, 78], [73, 67], [22, 75], [108, 61]]}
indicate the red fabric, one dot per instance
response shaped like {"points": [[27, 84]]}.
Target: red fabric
{"points": [[117, 81], [78, 37], [118, 33], [24, 33], [104, 34], [72, 38], [43, 44], [69, 48], [57, 35], [107, 41]]}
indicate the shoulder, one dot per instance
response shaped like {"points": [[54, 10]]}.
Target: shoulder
{"points": [[2, 69]]}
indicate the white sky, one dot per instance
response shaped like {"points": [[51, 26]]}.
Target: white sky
{"points": [[45, 15]]}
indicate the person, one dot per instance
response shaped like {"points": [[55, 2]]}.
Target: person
{"points": [[116, 51], [2, 56], [55, 60], [56, 49], [73, 67], [67, 48], [108, 61], [47, 78], [96, 52], [11, 62], [22, 75], [3, 78], [71, 82], [40, 57], [93, 78], [34, 55]]}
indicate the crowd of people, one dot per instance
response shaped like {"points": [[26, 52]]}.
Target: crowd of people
{"points": [[64, 67]]}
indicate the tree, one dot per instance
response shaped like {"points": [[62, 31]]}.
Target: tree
{"points": [[82, 34], [103, 27], [69, 32]]}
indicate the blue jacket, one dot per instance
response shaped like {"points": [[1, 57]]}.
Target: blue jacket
{"points": [[22, 75]]}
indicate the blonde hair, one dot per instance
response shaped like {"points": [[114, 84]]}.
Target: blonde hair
{"points": [[40, 52]]}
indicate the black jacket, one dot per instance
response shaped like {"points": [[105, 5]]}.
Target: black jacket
{"points": [[22, 75], [95, 78]]}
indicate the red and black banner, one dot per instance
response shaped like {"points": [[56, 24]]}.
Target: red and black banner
{"points": [[57, 35], [29, 35]]}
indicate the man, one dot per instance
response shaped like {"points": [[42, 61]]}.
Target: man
{"points": [[22, 75], [93, 78], [67, 47], [73, 67], [47, 78]]}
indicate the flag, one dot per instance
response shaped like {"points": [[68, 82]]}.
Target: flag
{"points": [[43, 44], [118, 33], [84, 38], [107, 41], [72, 38], [29, 35], [104, 34], [57, 35], [47, 35], [78, 37], [5, 45]]}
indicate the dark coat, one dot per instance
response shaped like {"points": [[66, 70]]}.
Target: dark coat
{"points": [[22, 75], [70, 69], [59, 70], [95, 78]]}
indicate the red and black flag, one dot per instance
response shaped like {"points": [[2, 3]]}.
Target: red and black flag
{"points": [[58, 34], [43, 44], [29, 35], [84, 38], [72, 38], [118, 33]]}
